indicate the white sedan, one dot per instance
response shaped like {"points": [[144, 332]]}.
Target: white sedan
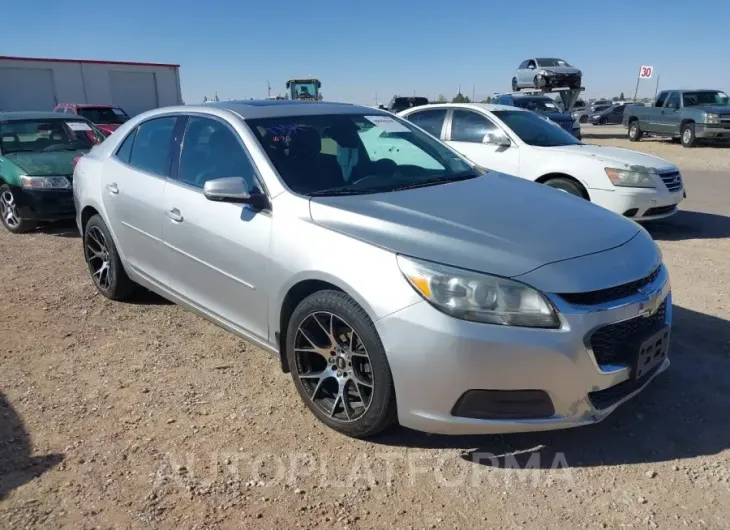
{"points": [[519, 142]]}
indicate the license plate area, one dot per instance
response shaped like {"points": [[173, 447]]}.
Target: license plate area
{"points": [[652, 352]]}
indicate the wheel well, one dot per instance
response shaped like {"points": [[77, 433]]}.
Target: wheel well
{"points": [[633, 119], [550, 176], [292, 299], [86, 214], [685, 122]]}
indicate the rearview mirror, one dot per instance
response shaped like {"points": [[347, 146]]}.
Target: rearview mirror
{"points": [[229, 189], [497, 138]]}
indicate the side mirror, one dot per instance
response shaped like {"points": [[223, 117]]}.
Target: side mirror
{"points": [[497, 138], [234, 189]]}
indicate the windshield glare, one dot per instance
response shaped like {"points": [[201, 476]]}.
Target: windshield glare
{"points": [[346, 153], [715, 98], [534, 130], [47, 135], [537, 104], [103, 114]]}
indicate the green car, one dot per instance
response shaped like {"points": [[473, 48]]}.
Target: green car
{"points": [[37, 157]]}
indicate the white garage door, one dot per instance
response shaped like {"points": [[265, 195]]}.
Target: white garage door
{"points": [[135, 92], [27, 89]]}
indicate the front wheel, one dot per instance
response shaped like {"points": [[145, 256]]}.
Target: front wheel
{"points": [[634, 131], [583, 119], [568, 186], [103, 261], [515, 88], [11, 218], [339, 365], [688, 135]]}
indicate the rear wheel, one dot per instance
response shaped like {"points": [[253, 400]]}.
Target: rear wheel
{"points": [[634, 131], [103, 261], [339, 365], [10, 213], [688, 135], [567, 185]]}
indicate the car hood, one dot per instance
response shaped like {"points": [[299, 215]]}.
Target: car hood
{"points": [[616, 157], [560, 69], [107, 127], [497, 224], [45, 164], [557, 116], [715, 109]]}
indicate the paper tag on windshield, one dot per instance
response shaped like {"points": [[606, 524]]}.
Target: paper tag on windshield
{"points": [[387, 123], [78, 126]]}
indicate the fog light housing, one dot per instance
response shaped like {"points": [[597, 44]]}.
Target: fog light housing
{"points": [[504, 404]]}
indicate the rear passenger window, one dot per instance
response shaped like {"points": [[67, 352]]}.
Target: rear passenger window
{"points": [[152, 146], [210, 151], [125, 150], [430, 121]]}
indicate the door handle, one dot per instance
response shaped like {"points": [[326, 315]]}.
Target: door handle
{"points": [[175, 215], [112, 188]]}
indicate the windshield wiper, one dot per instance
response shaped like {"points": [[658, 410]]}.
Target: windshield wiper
{"points": [[343, 190], [436, 181]]}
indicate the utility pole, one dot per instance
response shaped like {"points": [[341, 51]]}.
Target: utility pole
{"points": [[268, 87], [473, 90], [656, 90], [638, 78]]}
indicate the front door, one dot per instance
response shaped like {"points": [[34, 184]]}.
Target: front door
{"points": [[133, 184], [466, 135], [671, 116], [217, 251]]}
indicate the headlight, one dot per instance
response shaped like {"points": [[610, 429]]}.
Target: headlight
{"points": [[478, 297], [630, 179], [545, 72], [45, 183], [713, 118]]}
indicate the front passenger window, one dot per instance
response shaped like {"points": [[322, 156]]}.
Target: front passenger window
{"points": [[468, 126], [210, 151]]}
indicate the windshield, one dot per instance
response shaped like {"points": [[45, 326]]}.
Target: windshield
{"points": [[303, 90], [537, 104], [48, 135], [715, 98], [551, 62], [334, 154], [534, 130], [103, 114]]}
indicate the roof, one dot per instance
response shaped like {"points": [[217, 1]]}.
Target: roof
{"points": [[268, 108], [89, 105], [490, 107], [85, 61], [29, 115]]}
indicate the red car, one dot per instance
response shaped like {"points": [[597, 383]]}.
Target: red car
{"points": [[106, 117]]}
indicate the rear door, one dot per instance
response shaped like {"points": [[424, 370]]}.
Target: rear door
{"points": [[217, 251], [133, 185], [466, 134]]}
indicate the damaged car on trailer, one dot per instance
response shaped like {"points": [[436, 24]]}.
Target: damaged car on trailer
{"points": [[546, 73]]}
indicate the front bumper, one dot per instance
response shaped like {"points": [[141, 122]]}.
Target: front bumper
{"points": [[639, 204], [44, 205], [558, 80], [436, 360], [712, 132]]}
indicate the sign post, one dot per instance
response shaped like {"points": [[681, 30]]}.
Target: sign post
{"points": [[644, 73]]}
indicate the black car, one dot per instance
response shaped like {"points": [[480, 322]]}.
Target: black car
{"points": [[399, 103], [613, 115], [541, 105]]}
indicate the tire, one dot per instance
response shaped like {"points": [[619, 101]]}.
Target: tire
{"points": [[583, 119], [635, 131], [568, 186], [102, 258], [515, 88], [688, 135], [602, 121], [366, 373], [11, 219], [536, 82]]}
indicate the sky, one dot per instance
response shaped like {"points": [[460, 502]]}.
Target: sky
{"points": [[378, 48]]}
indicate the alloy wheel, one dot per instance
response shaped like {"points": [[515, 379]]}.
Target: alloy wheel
{"points": [[687, 135], [99, 258], [9, 210], [334, 366]]}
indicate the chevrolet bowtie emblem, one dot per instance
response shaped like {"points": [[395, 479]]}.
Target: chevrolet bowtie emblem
{"points": [[649, 306]]}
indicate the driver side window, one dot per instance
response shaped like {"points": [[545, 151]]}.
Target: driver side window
{"points": [[210, 150]]}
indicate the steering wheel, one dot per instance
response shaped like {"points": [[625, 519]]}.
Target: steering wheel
{"points": [[384, 166]]}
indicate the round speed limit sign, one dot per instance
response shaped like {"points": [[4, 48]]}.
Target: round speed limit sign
{"points": [[645, 72]]}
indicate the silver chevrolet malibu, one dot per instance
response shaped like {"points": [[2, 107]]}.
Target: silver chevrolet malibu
{"points": [[394, 279]]}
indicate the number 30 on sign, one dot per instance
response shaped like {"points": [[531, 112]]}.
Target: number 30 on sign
{"points": [[645, 72]]}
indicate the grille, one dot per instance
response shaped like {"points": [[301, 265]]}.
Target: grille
{"points": [[725, 118], [672, 180], [658, 210], [612, 293], [567, 125], [613, 344]]}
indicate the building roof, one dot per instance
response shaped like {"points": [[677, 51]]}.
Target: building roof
{"points": [[84, 61], [30, 115]]}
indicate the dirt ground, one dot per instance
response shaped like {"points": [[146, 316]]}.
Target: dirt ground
{"points": [[142, 415]]}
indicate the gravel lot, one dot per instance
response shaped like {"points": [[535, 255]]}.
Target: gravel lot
{"points": [[142, 415]]}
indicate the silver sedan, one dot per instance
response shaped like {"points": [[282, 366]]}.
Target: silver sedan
{"points": [[393, 278]]}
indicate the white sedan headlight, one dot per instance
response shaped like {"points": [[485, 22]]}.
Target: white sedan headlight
{"points": [[478, 297], [45, 183], [630, 179]]}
